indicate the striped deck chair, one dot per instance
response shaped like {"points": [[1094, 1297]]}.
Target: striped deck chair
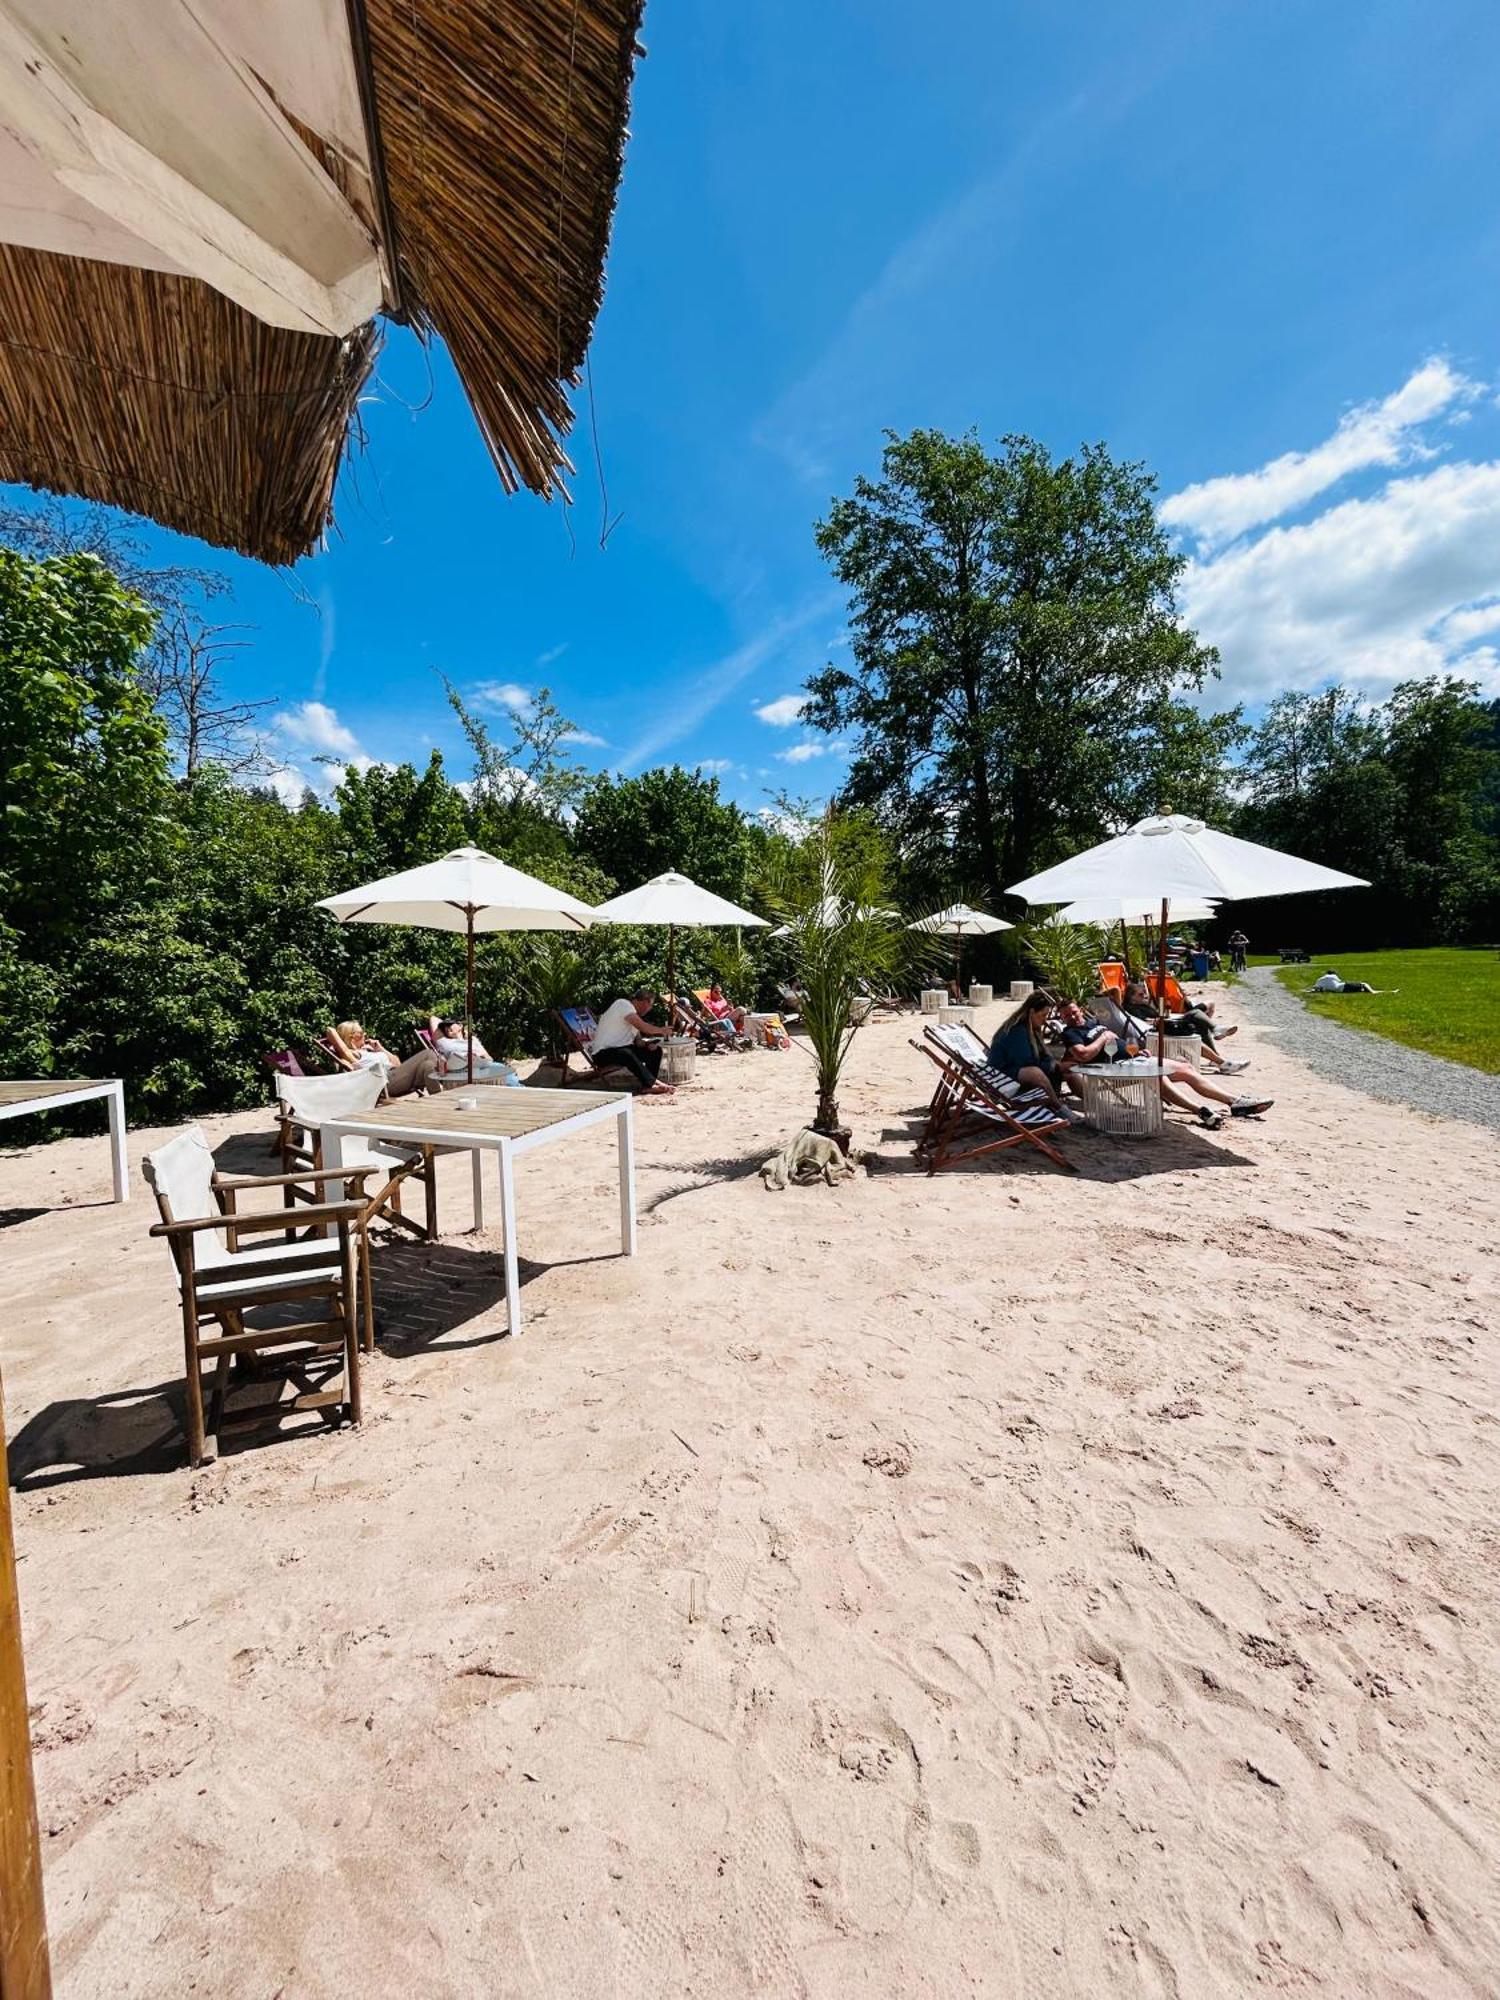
{"points": [[976, 1109]]}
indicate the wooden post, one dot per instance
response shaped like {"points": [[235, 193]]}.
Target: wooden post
{"points": [[469, 990], [1161, 989], [25, 1973]]}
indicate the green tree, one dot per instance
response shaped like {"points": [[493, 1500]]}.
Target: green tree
{"points": [[1015, 643], [84, 788], [634, 828]]}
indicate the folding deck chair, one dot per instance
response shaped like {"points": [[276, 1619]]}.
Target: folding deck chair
{"points": [[219, 1282], [971, 1093], [580, 1027]]}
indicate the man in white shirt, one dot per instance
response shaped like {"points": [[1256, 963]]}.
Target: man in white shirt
{"points": [[631, 1041]]}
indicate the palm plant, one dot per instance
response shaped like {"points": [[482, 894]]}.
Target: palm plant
{"points": [[552, 977], [841, 938], [1066, 955]]}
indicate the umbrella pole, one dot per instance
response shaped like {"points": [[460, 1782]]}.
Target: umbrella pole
{"points": [[1161, 989], [469, 989], [671, 969], [1125, 947]]}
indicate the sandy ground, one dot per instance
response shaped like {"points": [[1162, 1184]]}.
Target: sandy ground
{"points": [[999, 1583]]}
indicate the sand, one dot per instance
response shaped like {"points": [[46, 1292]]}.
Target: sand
{"points": [[992, 1584]]}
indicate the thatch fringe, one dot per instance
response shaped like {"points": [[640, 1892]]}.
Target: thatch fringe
{"points": [[503, 130], [156, 393]]}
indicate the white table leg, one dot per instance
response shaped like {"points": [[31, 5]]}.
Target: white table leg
{"points": [[625, 1135], [508, 1222], [477, 1156], [333, 1157], [117, 1141]]}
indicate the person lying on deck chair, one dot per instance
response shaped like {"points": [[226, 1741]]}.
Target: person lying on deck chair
{"points": [[631, 1041], [719, 1009], [1086, 1041], [452, 1044], [1017, 1052], [354, 1049], [1197, 1020], [689, 1019]]}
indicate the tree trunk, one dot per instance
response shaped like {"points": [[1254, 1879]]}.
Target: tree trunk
{"points": [[979, 774]]}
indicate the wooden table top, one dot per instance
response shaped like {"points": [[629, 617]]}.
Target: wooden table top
{"points": [[504, 1112], [49, 1086]]}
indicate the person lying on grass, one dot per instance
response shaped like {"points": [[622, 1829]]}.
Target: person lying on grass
{"points": [[1331, 983], [1085, 1042]]}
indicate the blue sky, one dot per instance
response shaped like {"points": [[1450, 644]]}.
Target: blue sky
{"points": [[1255, 245]]}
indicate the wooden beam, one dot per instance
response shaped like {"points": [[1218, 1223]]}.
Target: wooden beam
{"points": [[25, 1972]]}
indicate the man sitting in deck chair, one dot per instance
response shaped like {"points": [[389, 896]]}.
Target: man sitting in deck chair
{"points": [[1136, 1034], [1085, 1042], [631, 1041], [1187, 1020]]}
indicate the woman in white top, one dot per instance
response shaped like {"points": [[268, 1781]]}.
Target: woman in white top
{"points": [[354, 1049]]}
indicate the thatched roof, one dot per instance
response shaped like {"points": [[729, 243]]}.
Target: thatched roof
{"points": [[470, 184]]}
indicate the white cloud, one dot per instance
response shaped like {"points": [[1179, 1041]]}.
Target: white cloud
{"points": [[500, 694], [784, 711], [1372, 435], [290, 785], [313, 725], [586, 739], [810, 747], [714, 767], [1369, 592], [552, 653]]}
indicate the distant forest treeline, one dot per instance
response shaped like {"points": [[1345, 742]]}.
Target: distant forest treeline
{"points": [[1011, 697]]}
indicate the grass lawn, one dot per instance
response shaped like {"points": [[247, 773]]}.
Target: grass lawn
{"points": [[1448, 1003]]}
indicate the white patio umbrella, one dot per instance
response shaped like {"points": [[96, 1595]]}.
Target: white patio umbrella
{"points": [[468, 891], [956, 921], [1107, 911], [1170, 860], [676, 901]]}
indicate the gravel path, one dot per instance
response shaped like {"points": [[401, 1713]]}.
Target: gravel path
{"points": [[1370, 1063]]}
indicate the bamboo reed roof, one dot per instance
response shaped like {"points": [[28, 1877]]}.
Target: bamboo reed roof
{"points": [[495, 133]]}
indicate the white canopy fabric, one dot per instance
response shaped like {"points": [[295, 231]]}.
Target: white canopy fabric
{"points": [[173, 135], [1109, 910], [959, 920], [674, 899], [467, 891], [1173, 858]]}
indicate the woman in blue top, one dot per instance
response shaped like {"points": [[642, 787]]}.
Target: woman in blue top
{"points": [[1017, 1048]]}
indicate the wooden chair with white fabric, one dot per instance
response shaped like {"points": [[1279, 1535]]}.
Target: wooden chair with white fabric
{"points": [[220, 1281]]}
